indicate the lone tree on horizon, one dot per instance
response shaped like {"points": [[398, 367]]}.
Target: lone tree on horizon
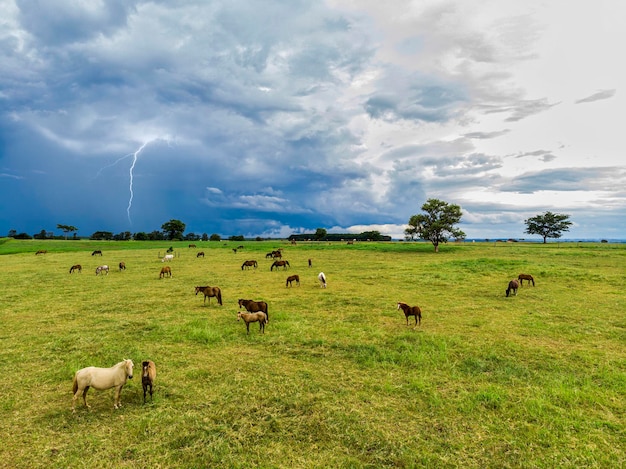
{"points": [[437, 224], [548, 225], [67, 229], [173, 229]]}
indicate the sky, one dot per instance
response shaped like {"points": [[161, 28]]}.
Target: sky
{"points": [[273, 117]]}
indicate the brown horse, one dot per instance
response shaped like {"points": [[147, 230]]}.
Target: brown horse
{"points": [[96, 253], [411, 311], [277, 264], [200, 254], [292, 278], [148, 375], [192, 245], [122, 266], [77, 267], [166, 272], [209, 292], [254, 306], [522, 277], [41, 251], [249, 264], [513, 286]]}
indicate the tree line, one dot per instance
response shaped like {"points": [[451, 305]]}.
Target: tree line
{"points": [[436, 224]]}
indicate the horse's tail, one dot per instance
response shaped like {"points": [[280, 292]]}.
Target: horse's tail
{"points": [[219, 296]]}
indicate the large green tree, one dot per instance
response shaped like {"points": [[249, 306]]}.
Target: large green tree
{"points": [[548, 225], [173, 229], [320, 234], [67, 229], [436, 224]]}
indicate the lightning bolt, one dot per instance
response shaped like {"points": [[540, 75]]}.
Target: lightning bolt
{"points": [[135, 155]]}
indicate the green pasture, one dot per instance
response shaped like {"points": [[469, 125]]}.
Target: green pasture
{"points": [[338, 379]]}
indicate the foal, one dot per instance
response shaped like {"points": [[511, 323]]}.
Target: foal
{"points": [[148, 374], [259, 317]]}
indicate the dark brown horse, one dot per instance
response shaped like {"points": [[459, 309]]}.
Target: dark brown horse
{"points": [[96, 253], [122, 266], [209, 292], [166, 272], [522, 277], [200, 254], [41, 251], [76, 267], [148, 375], [192, 245], [411, 311], [249, 264], [255, 306], [277, 264], [292, 278], [513, 286]]}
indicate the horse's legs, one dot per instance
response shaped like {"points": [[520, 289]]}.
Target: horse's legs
{"points": [[117, 401], [248, 327], [85, 396]]}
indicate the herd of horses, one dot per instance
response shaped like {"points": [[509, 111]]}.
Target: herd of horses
{"points": [[255, 311]]}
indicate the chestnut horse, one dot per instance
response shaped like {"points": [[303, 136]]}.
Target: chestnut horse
{"points": [[166, 272], [522, 277], [148, 375], [411, 311], [277, 264], [77, 267], [249, 264], [254, 306], [101, 379], [292, 278], [209, 292]]}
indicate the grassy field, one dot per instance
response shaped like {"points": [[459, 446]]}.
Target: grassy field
{"points": [[338, 379]]}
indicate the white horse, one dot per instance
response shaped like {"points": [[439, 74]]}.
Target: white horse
{"points": [[322, 278], [167, 257], [102, 268], [101, 379]]}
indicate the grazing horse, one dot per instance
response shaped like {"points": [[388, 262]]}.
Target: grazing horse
{"points": [[192, 245], [101, 379], [41, 251], [411, 311], [209, 292], [77, 267], [513, 285], [167, 257], [200, 254], [322, 278], [292, 278], [102, 268], [522, 277], [259, 317], [122, 266], [254, 306], [166, 272], [249, 264], [148, 375], [277, 264], [97, 252]]}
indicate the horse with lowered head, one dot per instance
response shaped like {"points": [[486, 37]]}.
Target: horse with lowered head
{"points": [[292, 278], [166, 272], [249, 264], [513, 286], [76, 267], [277, 264], [255, 306], [102, 379], [102, 269], [209, 292]]}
